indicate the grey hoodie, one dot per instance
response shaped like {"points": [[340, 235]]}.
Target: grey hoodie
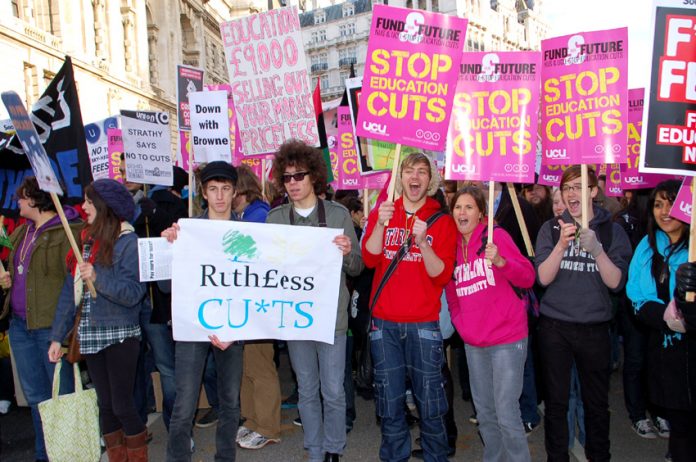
{"points": [[578, 294]]}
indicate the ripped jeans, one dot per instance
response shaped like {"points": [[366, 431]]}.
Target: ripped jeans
{"points": [[413, 350]]}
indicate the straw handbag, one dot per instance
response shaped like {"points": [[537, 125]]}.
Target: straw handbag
{"points": [[71, 422]]}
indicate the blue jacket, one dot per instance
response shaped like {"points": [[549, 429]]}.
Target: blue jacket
{"points": [[255, 212], [120, 294]]}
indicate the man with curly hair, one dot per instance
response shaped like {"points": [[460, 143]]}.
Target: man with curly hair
{"points": [[300, 170], [405, 334]]}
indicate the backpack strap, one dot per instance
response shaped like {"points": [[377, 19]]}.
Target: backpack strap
{"points": [[321, 212]]}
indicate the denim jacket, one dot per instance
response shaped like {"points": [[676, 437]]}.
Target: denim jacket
{"points": [[120, 294]]}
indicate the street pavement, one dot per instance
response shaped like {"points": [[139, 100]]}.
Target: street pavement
{"points": [[363, 441]]}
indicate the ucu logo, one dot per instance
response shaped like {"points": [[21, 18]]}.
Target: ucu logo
{"points": [[556, 154], [516, 168], [350, 182], [463, 168], [551, 178], [574, 56], [684, 207], [373, 127], [615, 189], [633, 179]]}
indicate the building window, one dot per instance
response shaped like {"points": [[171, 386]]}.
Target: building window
{"points": [[348, 10], [44, 12], [324, 81], [320, 17], [346, 30], [344, 76], [15, 8]]}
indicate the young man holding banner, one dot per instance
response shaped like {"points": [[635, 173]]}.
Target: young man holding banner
{"points": [[300, 170], [578, 267], [405, 333], [218, 181]]}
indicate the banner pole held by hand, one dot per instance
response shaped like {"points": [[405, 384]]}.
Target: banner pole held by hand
{"points": [[520, 220], [691, 296], [491, 209], [190, 188], [394, 173], [584, 196], [71, 238], [366, 202], [2, 267]]}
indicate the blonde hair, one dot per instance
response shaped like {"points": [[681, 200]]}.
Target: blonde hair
{"points": [[418, 158]]}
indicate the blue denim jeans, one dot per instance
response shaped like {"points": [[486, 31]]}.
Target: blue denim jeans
{"points": [[188, 371], [319, 369], [528, 399], [30, 350], [162, 344], [496, 375], [414, 350]]}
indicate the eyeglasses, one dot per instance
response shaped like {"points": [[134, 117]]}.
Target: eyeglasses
{"points": [[297, 176], [573, 188]]}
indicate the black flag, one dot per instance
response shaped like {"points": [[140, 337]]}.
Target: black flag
{"points": [[58, 121]]}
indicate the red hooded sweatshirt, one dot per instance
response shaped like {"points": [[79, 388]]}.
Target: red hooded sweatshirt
{"points": [[410, 294]]}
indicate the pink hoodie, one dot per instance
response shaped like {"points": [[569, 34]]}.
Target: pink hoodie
{"points": [[485, 309]]}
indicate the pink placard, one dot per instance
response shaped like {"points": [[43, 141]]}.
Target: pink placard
{"points": [[349, 176], [584, 104], [550, 175], [410, 76], [681, 209], [115, 148], [612, 186], [492, 132]]}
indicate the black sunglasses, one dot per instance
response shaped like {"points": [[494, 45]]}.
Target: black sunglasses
{"points": [[297, 176]]}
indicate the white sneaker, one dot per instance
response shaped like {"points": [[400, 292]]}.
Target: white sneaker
{"points": [[4, 406], [256, 441], [644, 428], [242, 432], [662, 427]]}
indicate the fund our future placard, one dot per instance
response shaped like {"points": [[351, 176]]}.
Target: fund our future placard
{"points": [[410, 76], [244, 281], [669, 119], [584, 103], [96, 135], [210, 126], [270, 84], [492, 132], [147, 147]]}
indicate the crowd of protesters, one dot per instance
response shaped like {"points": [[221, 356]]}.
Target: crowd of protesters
{"points": [[420, 273]]}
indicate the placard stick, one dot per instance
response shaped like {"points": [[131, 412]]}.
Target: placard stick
{"points": [[2, 267], [366, 202], [691, 296], [191, 188], [520, 220], [491, 209], [583, 197], [393, 179], [71, 238], [263, 179]]}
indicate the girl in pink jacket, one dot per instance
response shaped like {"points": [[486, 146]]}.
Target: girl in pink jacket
{"points": [[492, 320]]}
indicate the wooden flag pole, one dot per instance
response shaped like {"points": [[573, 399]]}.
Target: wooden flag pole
{"points": [[263, 179], [71, 238], [491, 209], [520, 219], [584, 222], [394, 173], [366, 202], [190, 189], [691, 296]]}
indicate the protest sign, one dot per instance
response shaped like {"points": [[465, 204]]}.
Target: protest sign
{"points": [[188, 80], [683, 203], [244, 281], [210, 126], [147, 147], [669, 118], [410, 76], [30, 141], [270, 84], [115, 149], [349, 176], [584, 104], [154, 259], [612, 186], [57, 118], [185, 152], [98, 146], [492, 132]]}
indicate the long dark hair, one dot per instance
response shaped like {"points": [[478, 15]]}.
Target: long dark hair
{"points": [[105, 229], [668, 190]]}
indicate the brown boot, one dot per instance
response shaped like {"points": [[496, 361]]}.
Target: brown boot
{"points": [[137, 447], [115, 446]]}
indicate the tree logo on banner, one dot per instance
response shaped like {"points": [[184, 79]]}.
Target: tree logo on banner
{"points": [[489, 68], [239, 246], [575, 55], [412, 28]]}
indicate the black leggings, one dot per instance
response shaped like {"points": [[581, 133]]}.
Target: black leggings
{"points": [[113, 372], [682, 435]]}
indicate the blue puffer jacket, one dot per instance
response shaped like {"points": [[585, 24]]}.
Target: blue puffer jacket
{"points": [[120, 294]]}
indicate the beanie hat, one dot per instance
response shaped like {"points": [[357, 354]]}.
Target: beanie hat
{"points": [[219, 169], [180, 179], [116, 197]]}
